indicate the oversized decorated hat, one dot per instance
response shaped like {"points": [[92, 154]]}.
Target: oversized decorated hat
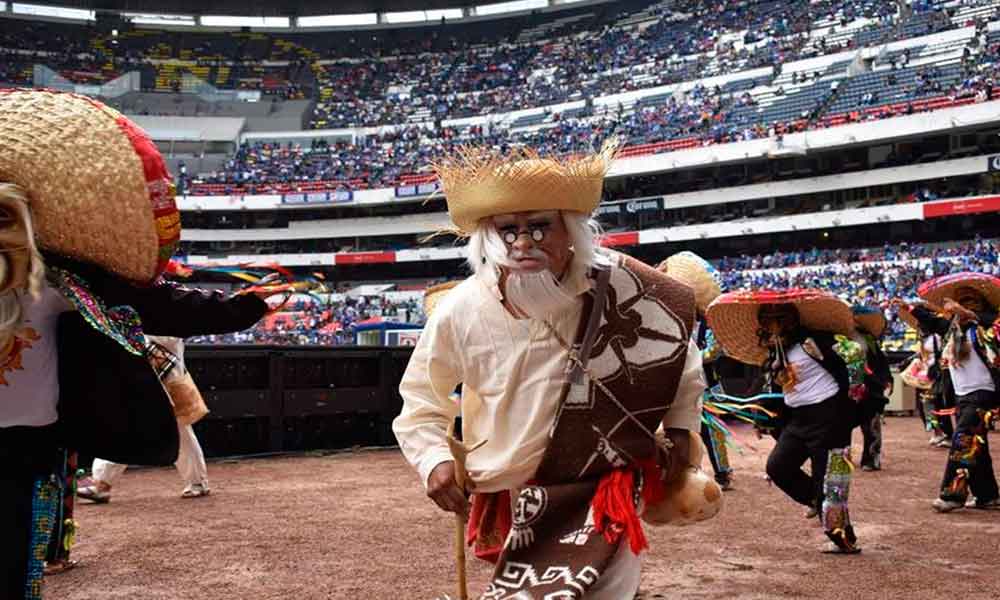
{"points": [[480, 182], [97, 187], [936, 290], [697, 273], [733, 317], [870, 319], [905, 315], [435, 294]]}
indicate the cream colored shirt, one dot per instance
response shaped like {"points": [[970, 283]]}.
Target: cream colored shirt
{"points": [[512, 373]]}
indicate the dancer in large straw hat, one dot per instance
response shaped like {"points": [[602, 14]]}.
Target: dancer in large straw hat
{"points": [[870, 324], [706, 283], [570, 357], [924, 373], [800, 339], [88, 222], [962, 308]]}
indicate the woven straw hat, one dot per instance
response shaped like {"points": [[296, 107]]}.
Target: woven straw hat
{"points": [[97, 187], [936, 290], [906, 316], [697, 273], [435, 294], [480, 183], [870, 319], [733, 318]]}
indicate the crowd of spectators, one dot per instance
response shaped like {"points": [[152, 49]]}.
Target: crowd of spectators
{"points": [[598, 53], [871, 277], [380, 160], [318, 322], [685, 42]]}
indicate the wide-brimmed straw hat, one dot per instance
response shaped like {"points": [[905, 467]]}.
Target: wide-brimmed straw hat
{"points": [[733, 318], [870, 319], [936, 290], [479, 182], [697, 273], [435, 294], [97, 187], [906, 315]]}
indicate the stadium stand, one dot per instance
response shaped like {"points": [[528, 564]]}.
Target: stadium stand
{"points": [[871, 276], [256, 123]]}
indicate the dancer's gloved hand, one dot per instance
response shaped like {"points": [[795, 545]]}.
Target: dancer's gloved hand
{"points": [[442, 489]]}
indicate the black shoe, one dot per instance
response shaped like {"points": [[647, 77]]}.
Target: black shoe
{"points": [[843, 543]]}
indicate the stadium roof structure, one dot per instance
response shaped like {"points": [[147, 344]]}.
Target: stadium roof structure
{"points": [[285, 8]]}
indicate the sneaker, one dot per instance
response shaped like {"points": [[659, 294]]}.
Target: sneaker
{"points": [[870, 468], [94, 494], [59, 566], [944, 443], [935, 440], [725, 481], [993, 504], [832, 548], [812, 513], [845, 543], [196, 490], [942, 506]]}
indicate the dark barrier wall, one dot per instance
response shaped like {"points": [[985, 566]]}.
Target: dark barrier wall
{"points": [[278, 399]]}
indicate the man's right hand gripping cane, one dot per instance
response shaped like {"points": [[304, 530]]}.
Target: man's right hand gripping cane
{"points": [[442, 488]]}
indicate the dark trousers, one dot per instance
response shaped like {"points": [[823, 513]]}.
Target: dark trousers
{"points": [[870, 415], [809, 433], [969, 464], [30, 459], [928, 402]]}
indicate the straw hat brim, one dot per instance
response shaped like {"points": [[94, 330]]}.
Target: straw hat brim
{"points": [[936, 290], [693, 271], [906, 316], [97, 187], [435, 294], [733, 318], [872, 321]]}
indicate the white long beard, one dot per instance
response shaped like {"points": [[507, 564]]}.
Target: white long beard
{"points": [[536, 295]]}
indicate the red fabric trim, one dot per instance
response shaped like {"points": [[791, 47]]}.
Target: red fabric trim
{"points": [[615, 512], [161, 191], [490, 521], [771, 296]]}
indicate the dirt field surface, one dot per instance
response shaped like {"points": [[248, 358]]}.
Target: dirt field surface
{"points": [[357, 525]]}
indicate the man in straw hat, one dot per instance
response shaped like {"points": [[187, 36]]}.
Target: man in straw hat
{"points": [[86, 187], [962, 308], [800, 339], [706, 282], [924, 373], [869, 325], [570, 357]]}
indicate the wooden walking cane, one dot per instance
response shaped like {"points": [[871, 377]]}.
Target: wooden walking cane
{"points": [[459, 451]]}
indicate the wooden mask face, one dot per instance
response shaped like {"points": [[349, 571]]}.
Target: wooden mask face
{"points": [[15, 257]]}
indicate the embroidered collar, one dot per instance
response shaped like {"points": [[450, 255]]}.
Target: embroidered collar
{"points": [[120, 323]]}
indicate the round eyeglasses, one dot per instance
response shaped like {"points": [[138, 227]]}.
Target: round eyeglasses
{"points": [[537, 234]]}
